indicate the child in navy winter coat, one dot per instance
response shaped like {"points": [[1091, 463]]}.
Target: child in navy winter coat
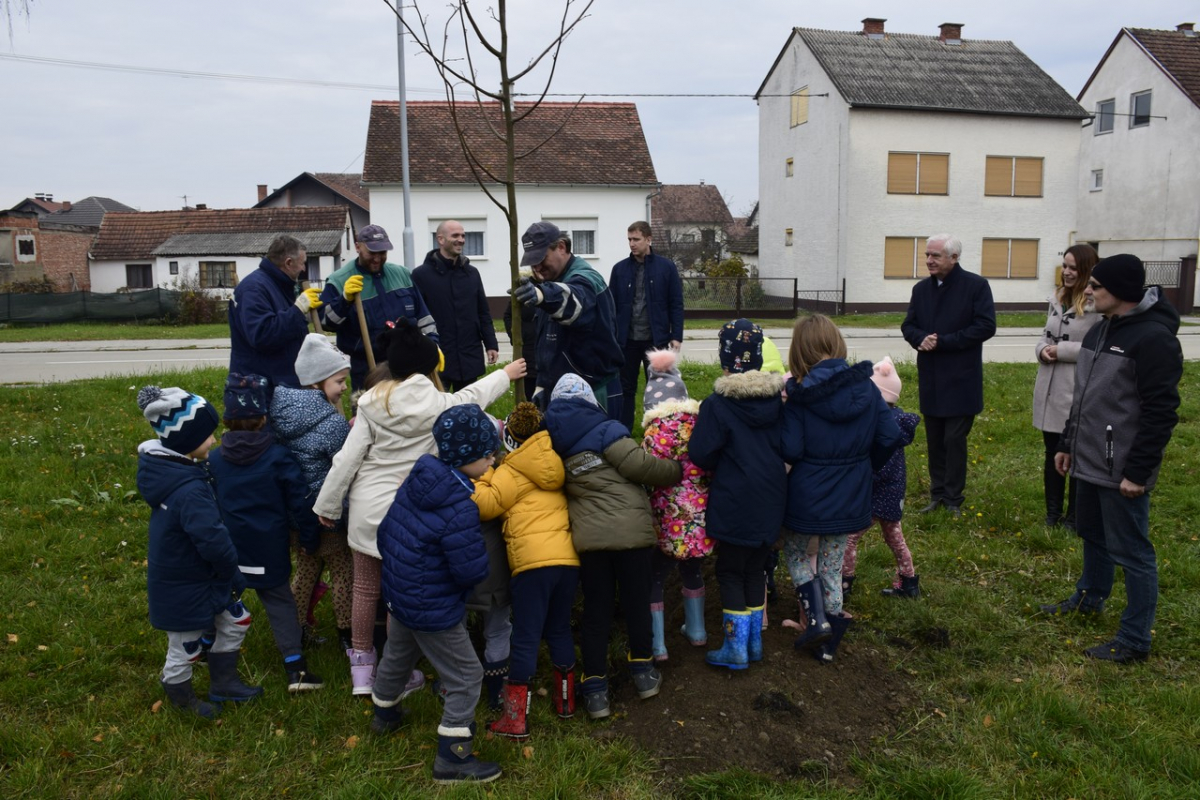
{"points": [[837, 430], [433, 555], [309, 422], [738, 436], [192, 577], [887, 495], [263, 497]]}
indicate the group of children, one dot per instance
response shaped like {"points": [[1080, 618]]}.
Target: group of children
{"points": [[409, 501]]}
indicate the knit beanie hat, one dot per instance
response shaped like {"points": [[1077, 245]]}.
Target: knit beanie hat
{"points": [[887, 379], [319, 359], [409, 352], [182, 421], [464, 434], [663, 381], [740, 346], [524, 421], [1123, 276], [245, 396], [571, 385]]}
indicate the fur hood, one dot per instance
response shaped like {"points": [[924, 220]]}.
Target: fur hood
{"points": [[749, 385], [669, 408]]}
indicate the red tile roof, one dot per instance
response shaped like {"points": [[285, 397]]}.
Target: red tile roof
{"points": [[684, 203], [1177, 53], [137, 234], [600, 143], [347, 184]]}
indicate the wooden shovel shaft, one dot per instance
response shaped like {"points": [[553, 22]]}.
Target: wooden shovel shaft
{"points": [[313, 316], [366, 335]]}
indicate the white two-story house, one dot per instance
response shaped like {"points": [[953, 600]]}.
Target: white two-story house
{"points": [[871, 141], [588, 170]]}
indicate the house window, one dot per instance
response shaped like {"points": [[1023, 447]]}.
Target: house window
{"points": [[787, 237], [218, 274], [139, 276], [1013, 176], [582, 232], [173, 267], [1097, 180], [918, 173], [789, 168], [1139, 110], [312, 270], [800, 106], [476, 233], [1106, 111], [900, 256], [26, 248], [1009, 258]]}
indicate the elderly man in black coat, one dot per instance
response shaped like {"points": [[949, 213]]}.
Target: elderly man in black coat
{"points": [[950, 316]]}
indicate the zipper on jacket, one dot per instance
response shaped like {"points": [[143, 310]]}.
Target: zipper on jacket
{"points": [[1108, 448]]}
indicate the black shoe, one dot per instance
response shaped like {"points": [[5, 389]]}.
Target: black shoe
{"points": [[955, 511], [1075, 604], [931, 507], [1053, 520], [1116, 652]]}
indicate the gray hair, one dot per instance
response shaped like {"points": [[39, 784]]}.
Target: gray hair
{"points": [[283, 248], [950, 244]]}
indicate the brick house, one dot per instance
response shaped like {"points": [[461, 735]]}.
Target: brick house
{"points": [[55, 243], [321, 189], [147, 249]]}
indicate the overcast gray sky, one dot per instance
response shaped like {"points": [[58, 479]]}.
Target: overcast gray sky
{"points": [[150, 139]]}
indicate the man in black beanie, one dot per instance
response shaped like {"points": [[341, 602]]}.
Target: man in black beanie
{"points": [[1122, 416]]}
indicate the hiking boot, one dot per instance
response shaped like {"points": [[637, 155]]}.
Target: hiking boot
{"points": [[646, 679], [1116, 652], [455, 763], [594, 691]]}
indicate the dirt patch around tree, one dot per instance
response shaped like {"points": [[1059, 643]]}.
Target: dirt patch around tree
{"points": [[787, 716]]}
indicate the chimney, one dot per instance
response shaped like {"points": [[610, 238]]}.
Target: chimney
{"points": [[951, 32], [66, 205], [201, 206], [262, 192], [1186, 28], [873, 27]]}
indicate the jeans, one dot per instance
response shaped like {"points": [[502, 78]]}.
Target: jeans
{"points": [[1116, 532]]}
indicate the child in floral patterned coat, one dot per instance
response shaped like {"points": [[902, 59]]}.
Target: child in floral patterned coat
{"points": [[679, 509]]}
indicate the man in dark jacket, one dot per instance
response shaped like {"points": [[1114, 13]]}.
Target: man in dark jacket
{"points": [[574, 316], [1122, 415], [950, 316], [453, 291], [268, 320], [648, 296]]}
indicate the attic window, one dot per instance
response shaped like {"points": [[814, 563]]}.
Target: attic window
{"points": [[800, 106], [1139, 110], [1105, 113]]}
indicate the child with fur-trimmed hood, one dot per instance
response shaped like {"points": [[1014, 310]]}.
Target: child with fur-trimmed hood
{"points": [[738, 435], [679, 510]]}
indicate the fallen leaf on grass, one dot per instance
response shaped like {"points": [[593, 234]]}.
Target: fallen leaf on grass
{"points": [[1017, 680], [527, 752], [351, 742], [940, 713], [157, 707], [988, 721], [99, 737], [43, 647], [13, 638]]}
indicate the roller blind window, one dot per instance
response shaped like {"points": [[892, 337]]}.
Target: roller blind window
{"points": [[1013, 176], [900, 256], [918, 173], [1009, 258]]}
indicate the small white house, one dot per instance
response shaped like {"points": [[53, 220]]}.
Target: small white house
{"points": [[321, 189], [591, 176], [1140, 157], [157, 249], [870, 141]]}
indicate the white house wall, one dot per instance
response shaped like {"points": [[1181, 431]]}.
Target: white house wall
{"points": [[612, 208], [808, 202], [109, 276], [965, 212], [1150, 203]]}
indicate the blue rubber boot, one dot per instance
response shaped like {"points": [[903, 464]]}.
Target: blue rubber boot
{"points": [[658, 644], [812, 605], [693, 617], [737, 633], [224, 684], [754, 640]]}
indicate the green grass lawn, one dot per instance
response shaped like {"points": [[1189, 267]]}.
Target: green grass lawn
{"points": [[1010, 707]]}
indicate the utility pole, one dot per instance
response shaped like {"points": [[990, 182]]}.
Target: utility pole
{"points": [[410, 258]]}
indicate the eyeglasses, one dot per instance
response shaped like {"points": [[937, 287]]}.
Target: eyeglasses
{"points": [[1094, 286]]}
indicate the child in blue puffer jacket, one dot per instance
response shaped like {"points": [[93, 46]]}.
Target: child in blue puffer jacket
{"points": [[433, 556], [837, 430]]}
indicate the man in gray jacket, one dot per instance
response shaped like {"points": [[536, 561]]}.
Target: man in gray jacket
{"points": [[1122, 415]]}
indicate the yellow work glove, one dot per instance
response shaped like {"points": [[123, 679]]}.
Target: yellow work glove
{"points": [[352, 287], [441, 360], [309, 299]]}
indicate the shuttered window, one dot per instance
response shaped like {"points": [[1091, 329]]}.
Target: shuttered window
{"points": [[1013, 176], [918, 173], [800, 106], [1009, 258], [900, 256]]}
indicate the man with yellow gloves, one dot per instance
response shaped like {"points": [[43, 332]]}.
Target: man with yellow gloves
{"points": [[387, 293], [267, 319]]}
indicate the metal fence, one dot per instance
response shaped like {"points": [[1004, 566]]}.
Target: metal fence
{"points": [[1163, 273], [90, 306], [715, 298]]}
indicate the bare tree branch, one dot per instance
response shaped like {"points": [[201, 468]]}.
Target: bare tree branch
{"points": [[555, 132], [556, 45]]}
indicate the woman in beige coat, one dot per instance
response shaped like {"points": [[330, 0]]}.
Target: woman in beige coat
{"points": [[393, 428], [1071, 317]]}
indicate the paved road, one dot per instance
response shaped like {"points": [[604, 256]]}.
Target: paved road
{"points": [[49, 362]]}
